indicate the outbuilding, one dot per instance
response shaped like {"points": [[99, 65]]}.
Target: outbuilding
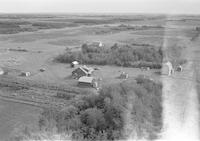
{"points": [[82, 71], [74, 63], [79, 72], [86, 81], [88, 69]]}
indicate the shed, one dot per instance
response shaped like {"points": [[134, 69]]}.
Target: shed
{"points": [[1, 71], [74, 63], [87, 82]]}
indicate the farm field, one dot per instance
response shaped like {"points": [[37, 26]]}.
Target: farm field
{"points": [[29, 43], [18, 115]]}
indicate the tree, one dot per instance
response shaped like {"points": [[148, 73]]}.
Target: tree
{"points": [[93, 118], [84, 48]]}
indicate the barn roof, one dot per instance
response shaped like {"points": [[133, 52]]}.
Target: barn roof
{"points": [[85, 69], [81, 68], [89, 70], [85, 79]]}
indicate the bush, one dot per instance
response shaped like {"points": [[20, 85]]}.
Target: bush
{"points": [[93, 118], [103, 116], [121, 56]]}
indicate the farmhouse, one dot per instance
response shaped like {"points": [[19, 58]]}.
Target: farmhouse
{"points": [[86, 81], [82, 71]]}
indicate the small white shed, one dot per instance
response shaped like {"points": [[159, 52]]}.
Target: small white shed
{"points": [[74, 63]]}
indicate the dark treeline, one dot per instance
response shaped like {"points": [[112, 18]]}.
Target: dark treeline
{"points": [[126, 56]]}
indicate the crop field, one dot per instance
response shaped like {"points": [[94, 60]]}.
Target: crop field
{"points": [[29, 43]]}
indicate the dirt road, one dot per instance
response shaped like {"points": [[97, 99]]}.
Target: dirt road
{"points": [[180, 104], [180, 108]]}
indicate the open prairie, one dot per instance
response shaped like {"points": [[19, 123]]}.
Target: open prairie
{"points": [[29, 43]]}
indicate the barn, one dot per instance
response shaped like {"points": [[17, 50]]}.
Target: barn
{"points": [[88, 69], [82, 71], [79, 72]]}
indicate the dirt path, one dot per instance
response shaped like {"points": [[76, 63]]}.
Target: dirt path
{"points": [[180, 109], [180, 106]]}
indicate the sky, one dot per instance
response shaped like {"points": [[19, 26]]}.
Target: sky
{"points": [[101, 6]]}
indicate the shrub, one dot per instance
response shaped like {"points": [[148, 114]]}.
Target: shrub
{"points": [[121, 56], [93, 118], [103, 116]]}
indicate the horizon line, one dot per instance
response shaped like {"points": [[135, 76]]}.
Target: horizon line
{"points": [[98, 13]]}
